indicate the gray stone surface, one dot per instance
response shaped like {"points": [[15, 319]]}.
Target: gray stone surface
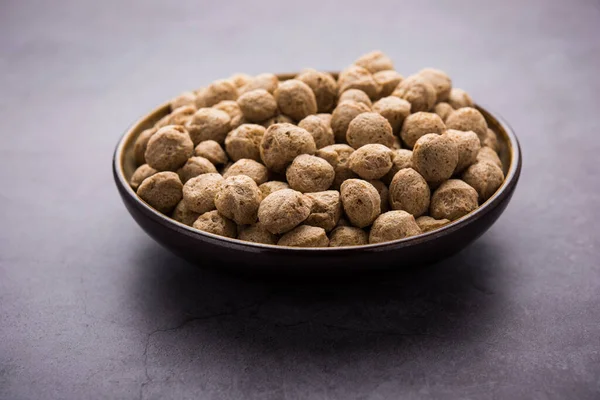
{"points": [[91, 308]]}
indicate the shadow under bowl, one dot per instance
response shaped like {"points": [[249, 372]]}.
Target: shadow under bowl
{"points": [[209, 250]]}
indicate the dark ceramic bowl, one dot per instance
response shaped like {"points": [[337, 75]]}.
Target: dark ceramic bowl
{"points": [[208, 250]]}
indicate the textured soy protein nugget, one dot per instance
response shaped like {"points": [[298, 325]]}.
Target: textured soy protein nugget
{"points": [[409, 192], [320, 129], [296, 99], [418, 92], [257, 105], [238, 199], [371, 161], [169, 148], [427, 223], [356, 95], [244, 142], [337, 155], [468, 119], [162, 191], [394, 109], [343, 114], [323, 86], [485, 177], [215, 223], [326, 209], [212, 151], [348, 236], [435, 157], [310, 174], [209, 124], [199, 192], [393, 225], [256, 233], [452, 200], [233, 110], [282, 143], [388, 81], [369, 128], [272, 186], [183, 214], [305, 236], [255, 170], [419, 124], [283, 210], [361, 202], [195, 166], [468, 146], [401, 159], [141, 173], [356, 77]]}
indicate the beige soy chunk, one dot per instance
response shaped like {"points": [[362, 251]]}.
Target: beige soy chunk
{"points": [[319, 128], [257, 105], [418, 92], [371, 161], [183, 99], [283, 210], [487, 154], [139, 147], [394, 109], [305, 236], [458, 98], [183, 214], [244, 142], [337, 155], [343, 114], [375, 61], [212, 151], [296, 99], [256, 233], [272, 186], [452, 200], [255, 170], [384, 194], [310, 174], [401, 159], [215, 223], [209, 124], [409, 192], [199, 192], [162, 191], [282, 143], [238, 199], [356, 77], [427, 223], [491, 140], [326, 209], [218, 91], [393, 225], [435, 157], [195, 166], [361, 202], [444, 110], [388, 81], [278, 119], [418, 124], [369, 128], [240, 79], [142, 172], [169, 148], [468, 119], [179, 116], [268, 82], [468, 146], [440, 81], [233, 110], [485, 177], [344, 236], [323, 86], [356, 95]]}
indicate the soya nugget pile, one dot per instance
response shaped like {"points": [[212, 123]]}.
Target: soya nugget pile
{"points": [[316, 161]]}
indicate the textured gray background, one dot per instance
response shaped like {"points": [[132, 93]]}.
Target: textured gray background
{"points": [[92, 308]]}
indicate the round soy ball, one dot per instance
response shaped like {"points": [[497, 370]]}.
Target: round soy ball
{"points": [[458, 98], [435, 157], [283, 210], [238, 199], [368, 128], [255, 170], [468, 119], [323, 86], [343, 114], [419, 124], [184, 99], [219, 90], [179, 116], [361, 202], [485, 177], [418, 92], [233, 110], [487, 154], [244, 142], [142, 172], [401, 159], [169, 148], [439, 80], [394, 109], [268, 82], [356, 95], [212, 151], [371, 161], [409, 192], [217, 224], [337, 155], [309, 174], [468, 145], [139, 148], [388, 81], [183, 214], [427, 223], [452, 200], [491, 140], [393, 225], [257, 105], [375, 61], [199, 192], [278, 119], [343, 236], [326, 209], [272, 186], [195, 166], [240, 79], [209, 124], [305, 236], [256, 233], [282, 143], [296, 99], [320, 130], [162, 191], [444, 110], [384, 194], [356, 77]]}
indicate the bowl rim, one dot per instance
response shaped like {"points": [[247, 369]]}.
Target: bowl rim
{"points": [[510, 181]]}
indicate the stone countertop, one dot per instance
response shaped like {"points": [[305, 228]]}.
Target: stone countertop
{"points": [[92, 308]]}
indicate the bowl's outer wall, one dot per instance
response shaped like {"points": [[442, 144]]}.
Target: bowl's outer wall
{"points": [[207, 251]]}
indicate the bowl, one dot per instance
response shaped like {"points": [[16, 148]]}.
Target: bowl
{"points": [[209, 250]]}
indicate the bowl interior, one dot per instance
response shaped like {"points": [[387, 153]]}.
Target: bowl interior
{"points": [[509, 154]]}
